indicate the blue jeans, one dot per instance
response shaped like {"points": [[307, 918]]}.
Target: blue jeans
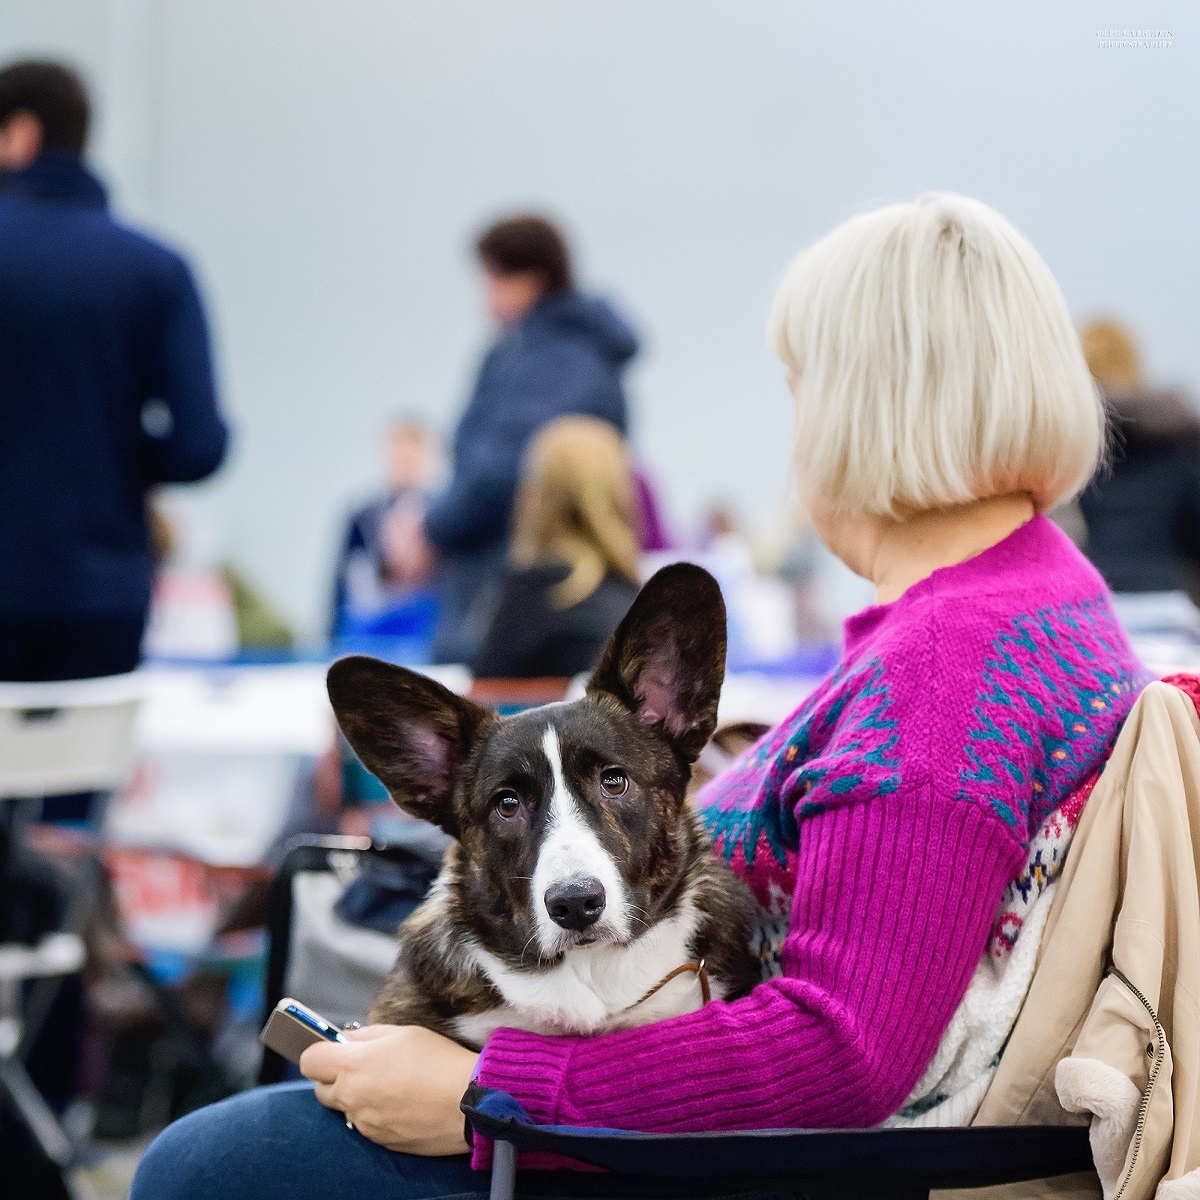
{"points": [[279, 1143]]}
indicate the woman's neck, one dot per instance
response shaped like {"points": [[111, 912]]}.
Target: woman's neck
{"points": [[898, 554]]}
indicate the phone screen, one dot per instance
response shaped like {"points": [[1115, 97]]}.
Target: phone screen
{"points": [[318, 1025]]}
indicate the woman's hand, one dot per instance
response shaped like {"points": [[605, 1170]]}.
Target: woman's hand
{"points": [[399, 1085]]}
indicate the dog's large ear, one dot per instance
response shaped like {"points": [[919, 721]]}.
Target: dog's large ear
{"points": [[408, 730], [666, 661]]}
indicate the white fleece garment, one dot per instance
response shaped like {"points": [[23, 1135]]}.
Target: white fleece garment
{"points": [[1186, 1187], [1087, 1085], [952, 1088]]}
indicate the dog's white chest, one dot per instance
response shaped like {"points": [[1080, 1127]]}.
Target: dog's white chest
{"points": [[594, 989]]}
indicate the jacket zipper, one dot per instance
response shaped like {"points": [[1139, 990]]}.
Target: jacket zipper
{"points": [[1160, 1035]]}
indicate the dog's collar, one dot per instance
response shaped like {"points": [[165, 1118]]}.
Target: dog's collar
{"points": [[696, 968]]}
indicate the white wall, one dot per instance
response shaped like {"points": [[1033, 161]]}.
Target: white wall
{"points": [[325, 163]]}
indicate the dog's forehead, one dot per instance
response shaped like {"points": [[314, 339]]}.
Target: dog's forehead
{"points": [[524, 733], [577, 725], [515, 743]]}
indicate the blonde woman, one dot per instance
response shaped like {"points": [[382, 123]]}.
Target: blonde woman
{"points": [[574, 554], [895, 825]]}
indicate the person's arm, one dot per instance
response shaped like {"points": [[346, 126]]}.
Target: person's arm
{"points": [[191, 443], [561, 380], [895, 900], [474, 509]]}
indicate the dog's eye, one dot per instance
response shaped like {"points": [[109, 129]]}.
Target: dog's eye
{"points": [[613, 782], [507, 804]]}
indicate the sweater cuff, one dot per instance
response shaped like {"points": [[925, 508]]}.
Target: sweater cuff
{"points": [[530, 1068]]}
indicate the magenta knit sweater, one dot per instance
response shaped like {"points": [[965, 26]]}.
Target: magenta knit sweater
{"points": [[881, 824]]}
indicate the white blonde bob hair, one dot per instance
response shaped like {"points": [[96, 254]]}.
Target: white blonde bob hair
{"points": [[934, 363]]}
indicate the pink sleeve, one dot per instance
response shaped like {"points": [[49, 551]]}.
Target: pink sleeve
{"points": [[894, 904]]}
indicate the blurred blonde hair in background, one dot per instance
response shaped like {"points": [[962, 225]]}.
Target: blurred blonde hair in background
{"points": [[935, 363], [1112, 355], [576, 505]]}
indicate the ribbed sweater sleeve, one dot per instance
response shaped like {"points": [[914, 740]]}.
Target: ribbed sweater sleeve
{"points": [[895, 898]]}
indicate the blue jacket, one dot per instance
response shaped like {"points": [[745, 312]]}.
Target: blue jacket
{"points": [[566, 356], [96, 322]]}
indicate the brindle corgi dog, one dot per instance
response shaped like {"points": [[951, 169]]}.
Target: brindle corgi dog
{"points": [[581, 893]]}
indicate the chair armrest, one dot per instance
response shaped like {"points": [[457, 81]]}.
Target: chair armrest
{"points": [[863, 1160]]}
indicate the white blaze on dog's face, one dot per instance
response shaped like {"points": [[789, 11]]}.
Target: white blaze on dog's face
{"points": [[577, 892]]}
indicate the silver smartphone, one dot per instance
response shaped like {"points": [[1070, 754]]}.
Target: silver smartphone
{"points": [[293, 1027]]}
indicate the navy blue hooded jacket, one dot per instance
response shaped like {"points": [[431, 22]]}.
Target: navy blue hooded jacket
{"points": [[564, 357], [96, 321]]}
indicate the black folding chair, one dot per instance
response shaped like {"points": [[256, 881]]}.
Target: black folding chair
{"points": [[879, 1164]]}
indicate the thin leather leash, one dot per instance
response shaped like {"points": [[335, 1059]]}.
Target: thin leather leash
{"points": [[696, 968]]}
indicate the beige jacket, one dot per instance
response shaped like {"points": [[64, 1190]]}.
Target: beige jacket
{"points": [[1110, 1029]]}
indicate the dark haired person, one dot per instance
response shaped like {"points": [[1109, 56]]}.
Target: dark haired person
{"points": [[557, 353], [105, 391], [1143, 513]]}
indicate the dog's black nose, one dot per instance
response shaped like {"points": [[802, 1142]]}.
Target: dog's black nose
{"points": [[577, 904]]}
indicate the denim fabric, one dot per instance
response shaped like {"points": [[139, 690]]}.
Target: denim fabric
{"points": [[279, 1143]]}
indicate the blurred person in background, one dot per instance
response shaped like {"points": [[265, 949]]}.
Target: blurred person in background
{"points": [[106, 390], [1143, 514], [557, 352], [376, 568], [574, 555]]}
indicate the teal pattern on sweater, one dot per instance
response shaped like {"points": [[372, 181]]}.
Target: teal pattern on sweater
{"points": [[1055, 686]]}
